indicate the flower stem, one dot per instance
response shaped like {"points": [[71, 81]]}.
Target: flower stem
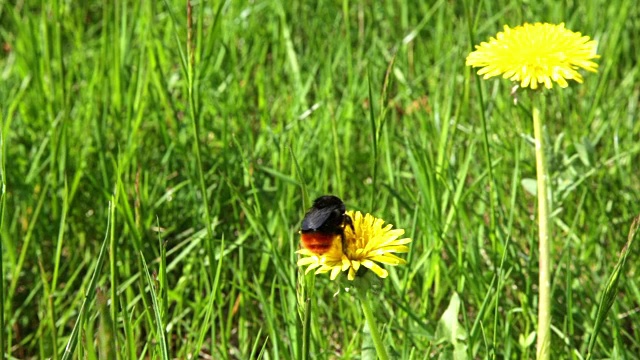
{"points": [[544, 282], [371, 321]]}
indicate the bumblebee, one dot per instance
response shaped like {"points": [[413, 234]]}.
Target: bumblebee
{"points": [[325, 220]]}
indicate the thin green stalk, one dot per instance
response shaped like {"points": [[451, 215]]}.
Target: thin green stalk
{"points": [[113, 273], [306, 331], [195, 116], [485, 142], [3, 199], [544, 282], [373, 328], [374, 138]]}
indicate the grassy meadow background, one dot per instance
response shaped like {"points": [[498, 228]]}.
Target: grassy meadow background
{"points": [[111, 172]]}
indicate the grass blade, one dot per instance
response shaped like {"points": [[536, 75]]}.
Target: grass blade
{"points": [[90, 292], [611, 289], [160, 327]]}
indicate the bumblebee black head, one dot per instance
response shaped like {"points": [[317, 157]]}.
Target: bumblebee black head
{"points": [[327, 215], [329, 201]]}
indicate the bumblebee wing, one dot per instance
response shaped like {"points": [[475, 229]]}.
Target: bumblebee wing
{"points": [[315, 218]]}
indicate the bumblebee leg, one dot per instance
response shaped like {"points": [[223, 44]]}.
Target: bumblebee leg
{"points": [[349, 221]]}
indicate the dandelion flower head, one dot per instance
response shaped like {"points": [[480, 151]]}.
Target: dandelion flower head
{"points": [[533, 54], [368, 243]]}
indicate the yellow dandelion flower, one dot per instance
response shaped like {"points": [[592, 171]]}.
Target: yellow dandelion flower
{"points": [[535, 54], [369, 242]]}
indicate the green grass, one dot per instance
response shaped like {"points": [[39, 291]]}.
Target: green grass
{"points": [[105, 200]]}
